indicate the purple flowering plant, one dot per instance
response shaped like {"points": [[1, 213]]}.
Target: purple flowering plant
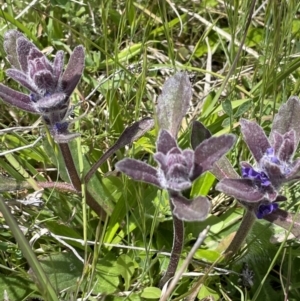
{"points": [[177, 168], [49, 85], [259, 187]]}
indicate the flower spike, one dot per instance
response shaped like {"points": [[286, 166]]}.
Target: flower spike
{"points": [[49, 87]]}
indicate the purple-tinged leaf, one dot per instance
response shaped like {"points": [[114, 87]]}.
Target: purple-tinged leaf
{"points": [[255, 138], [274, 173], [188, 155], [241, 189], [17, 99], [130, 134], [175, 151], [44, 81], [285, 220], [22, 79], [39, 65], [23, 49], [139, 171], [294, 171], [10, 47], [223, 169], [287, 148], [199, 134], [135, 131], [165, 142], [177, 178], [73, 72], [57, 101], [173, 102], [212, 149], [277, 140], [161, 159], [190, 210], [36, 54], [58, 65], [287, 119]]}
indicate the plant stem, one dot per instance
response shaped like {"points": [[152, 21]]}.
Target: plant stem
{"points": [[178, 235], [185, 264], [241, 234], [75, 180], [40, 278]]}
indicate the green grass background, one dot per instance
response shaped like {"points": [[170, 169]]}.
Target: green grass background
{"points": [[132, 47]]}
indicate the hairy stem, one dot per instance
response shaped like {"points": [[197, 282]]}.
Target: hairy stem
{"points": [[75, 180], [241, 234], [178, 233]]}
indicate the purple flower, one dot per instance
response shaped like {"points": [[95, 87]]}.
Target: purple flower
{"points": [[258, 190], [260, 177], [265, 209], [178, 169], [49, 86]]}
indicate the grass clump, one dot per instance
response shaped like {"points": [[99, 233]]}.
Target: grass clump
{"points": [[242, 61]]}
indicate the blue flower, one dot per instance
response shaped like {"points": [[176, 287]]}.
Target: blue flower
{"points": [[259, 177], [258, 190], [265, 209]]}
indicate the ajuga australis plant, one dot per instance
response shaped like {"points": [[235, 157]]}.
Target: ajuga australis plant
{"points": [[258, 190], [50, 88], [178, 168]]}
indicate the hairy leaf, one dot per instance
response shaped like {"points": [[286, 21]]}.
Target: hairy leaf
{"points": [[165, 142], [285, 220], [190, 210], [22, 79], [173, 102], [287, 118], [223, 169], [10, 47], [241, 189], [23, 49], [255, 138], [58, 65], [212, 149], [17, 99], [138, 171], [199, 134], [130, 134], [73, 70]]}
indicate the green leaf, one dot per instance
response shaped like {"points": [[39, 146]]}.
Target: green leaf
{"points": [[108, 272], [151, 293], [173, 102], [206, 292], [227, 107], [244, 107], [207, 255], [202, 185], [63, 270], [63, 230], [17, 288], [106, 284], [127, 268]]}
